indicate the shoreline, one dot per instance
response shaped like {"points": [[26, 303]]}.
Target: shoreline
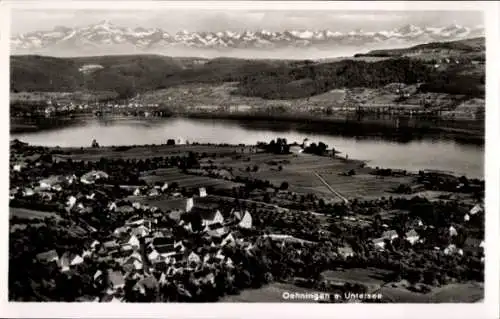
{"points": [[112, 150], [418, 128]]}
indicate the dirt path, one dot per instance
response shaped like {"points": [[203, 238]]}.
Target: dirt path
{"points": [[331, 189]]}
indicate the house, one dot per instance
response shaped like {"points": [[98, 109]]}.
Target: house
{"points": [[379, 243], [27, 192], [453, 231], [345, 251], [92, 176], [179, 246], [137, 192], [390, 235], [216, 230], [120, 230], [246, 221], [111, 244], [296, 149], [136, 205], [98, 275], [162, 241], [48, 256], [193, 258], [112, 207], [94, 244], [466, 217], [189, 204], [141, 231], [71, 202], [478, 208], [164, 187], [153, 192], [48, 183], [452, 249], [132, 240], [69, 259], [203, 192], [412, 236], [116, 280], [229, 240], [209, 216], [125, 209], [133, 262], [166, 251], [154, 255]]}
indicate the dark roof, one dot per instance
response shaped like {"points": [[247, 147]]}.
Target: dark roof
{"points": [[205, 213], [215, 226], [165, 249], [162, 241]]}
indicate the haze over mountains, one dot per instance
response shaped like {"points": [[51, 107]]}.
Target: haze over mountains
{"points": [[106, 38]]}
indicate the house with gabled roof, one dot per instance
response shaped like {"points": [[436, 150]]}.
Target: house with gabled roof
{"points": [[452, 231], [141, 231], [48, 256], [131, 240], [228, 240], [193, 258], [390, 235], [69, 259], [478, 208], [246, 221], [412, 236], [379, 243]]}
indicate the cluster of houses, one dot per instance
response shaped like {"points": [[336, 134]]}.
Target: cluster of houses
{"points": [[147, 251], [413, 237]]}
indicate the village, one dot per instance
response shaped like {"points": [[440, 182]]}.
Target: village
{"points": [[97, 233]]}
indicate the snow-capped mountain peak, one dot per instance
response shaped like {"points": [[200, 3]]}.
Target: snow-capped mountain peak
{"points": [[105, 37]]}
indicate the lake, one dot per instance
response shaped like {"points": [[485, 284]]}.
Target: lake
{"points": [[410, 154]]}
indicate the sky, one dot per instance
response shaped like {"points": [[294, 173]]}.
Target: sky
{"points": [[174, 20]]}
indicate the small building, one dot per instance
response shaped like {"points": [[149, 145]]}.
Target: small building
{"points": [[48, 256], [246, 221], [390, 235], [466, 217], [379, 243], [345, 251], [412, 236], [452, 231], [478, 208], [296, 149], [69, 259], [92, 176], [193, 258], [203, 192]]}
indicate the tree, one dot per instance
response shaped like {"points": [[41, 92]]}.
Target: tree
{"points": [[170, 142], [284, 186]]}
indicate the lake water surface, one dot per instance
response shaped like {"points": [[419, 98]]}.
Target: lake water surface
{"points": [[412, 155]]}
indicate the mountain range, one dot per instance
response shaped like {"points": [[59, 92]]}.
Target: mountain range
{"points": [[105, 38]]}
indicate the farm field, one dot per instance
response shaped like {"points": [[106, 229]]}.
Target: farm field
{"points": [[269, 293], [298, 171], [29, 213], [185, 180]]}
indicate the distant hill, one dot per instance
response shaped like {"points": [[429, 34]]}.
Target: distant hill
{"points": [[269, 79], [473, 49]]}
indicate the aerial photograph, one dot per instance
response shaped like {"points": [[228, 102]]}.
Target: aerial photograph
{"points": [[210, 155]]}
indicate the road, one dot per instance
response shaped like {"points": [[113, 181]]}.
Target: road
{"points": [[331, 189]]}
